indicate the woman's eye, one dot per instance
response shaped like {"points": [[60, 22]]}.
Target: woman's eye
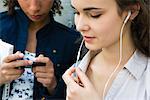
{"points": [[96, 16], [75, 12]]}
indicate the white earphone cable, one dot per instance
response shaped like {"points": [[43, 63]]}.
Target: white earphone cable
{"points": [[78, 57], [79, 51], [120, 58]]}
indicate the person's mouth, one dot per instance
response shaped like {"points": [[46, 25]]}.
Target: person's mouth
{"points": [[89, 38], [36, 17]]}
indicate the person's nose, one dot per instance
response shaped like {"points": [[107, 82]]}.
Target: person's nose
{"points": [[34, 6], [82, 24]]}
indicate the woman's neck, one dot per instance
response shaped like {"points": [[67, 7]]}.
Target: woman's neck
{"points": [[112, 54], [35, 26]]}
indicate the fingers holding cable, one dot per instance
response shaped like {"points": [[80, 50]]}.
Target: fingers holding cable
{"points": [[76, 91]]}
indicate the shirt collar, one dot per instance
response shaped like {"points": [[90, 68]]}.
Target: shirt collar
{"points": [[137, 64], [83, 65]]}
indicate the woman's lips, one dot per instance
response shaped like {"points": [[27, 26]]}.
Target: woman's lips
{"points": [[89, 38], [36, 17]]}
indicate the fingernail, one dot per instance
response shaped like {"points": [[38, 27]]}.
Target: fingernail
{"points": [[17, 52], [79, 69], [36, 59], [21, 55], [41, 55], [30, 62]]}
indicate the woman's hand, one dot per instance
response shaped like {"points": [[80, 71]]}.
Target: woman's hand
{"points": [[9, 69], [84, 90], [45, 74]]}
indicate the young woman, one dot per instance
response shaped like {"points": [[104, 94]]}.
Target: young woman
{"points": [[117, 66], [30, 27]]}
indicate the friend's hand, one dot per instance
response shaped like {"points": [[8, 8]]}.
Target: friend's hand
{"points": [[45, 74], [79, 91], [9, 69]]}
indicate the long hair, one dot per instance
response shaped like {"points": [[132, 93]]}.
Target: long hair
{"points": [[11, 4], [140, 26]]}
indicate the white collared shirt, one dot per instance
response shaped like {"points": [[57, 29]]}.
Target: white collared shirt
{"points": [[132, 82]]}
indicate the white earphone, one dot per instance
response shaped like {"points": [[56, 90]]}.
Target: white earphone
{"points": [[128, 16]]}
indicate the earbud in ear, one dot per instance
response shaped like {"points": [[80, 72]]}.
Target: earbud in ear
{"points": [[128, 16]]}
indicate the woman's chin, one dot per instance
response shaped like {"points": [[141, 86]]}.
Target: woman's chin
{"points": [[92, 47]]}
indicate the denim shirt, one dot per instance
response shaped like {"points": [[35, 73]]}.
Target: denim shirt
{"points": [[54, 40]]}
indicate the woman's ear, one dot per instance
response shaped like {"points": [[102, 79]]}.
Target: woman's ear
{"points": [[134, 10]]}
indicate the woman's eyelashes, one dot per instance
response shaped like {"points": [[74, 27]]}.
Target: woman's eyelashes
{"points": [[76, 12], [94, 14], [97, 15]]}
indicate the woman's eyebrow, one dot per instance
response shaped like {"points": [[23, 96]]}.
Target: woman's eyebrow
{"points": [[91, 8], [88, 8], [72, 7]]}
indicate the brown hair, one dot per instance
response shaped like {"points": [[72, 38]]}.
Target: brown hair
{"points": [[140, 27], [14, 3]]}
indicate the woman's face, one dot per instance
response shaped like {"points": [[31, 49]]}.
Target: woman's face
{"points": [[98, 21], [36, 10]]}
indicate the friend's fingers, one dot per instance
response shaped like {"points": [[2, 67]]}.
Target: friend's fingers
{"points": [[44, 75], [42, 69], [46, 82], [18, 63], [13, 57], [12, 72], [43, 59], [39, 69], [12, 77], [41, 55], [41, 80]]}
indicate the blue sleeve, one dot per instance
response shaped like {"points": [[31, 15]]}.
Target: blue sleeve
{"points": [[7, 25]]}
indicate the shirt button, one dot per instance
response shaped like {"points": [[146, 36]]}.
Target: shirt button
{"points": [[54, 51], [58, 65], [43, 98]]}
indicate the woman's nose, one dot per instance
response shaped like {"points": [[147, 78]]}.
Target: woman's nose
{"points": [[34, 6], [82, 24]]}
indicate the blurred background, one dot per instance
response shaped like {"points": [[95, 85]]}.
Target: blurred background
{"points": [[67, 17]]}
